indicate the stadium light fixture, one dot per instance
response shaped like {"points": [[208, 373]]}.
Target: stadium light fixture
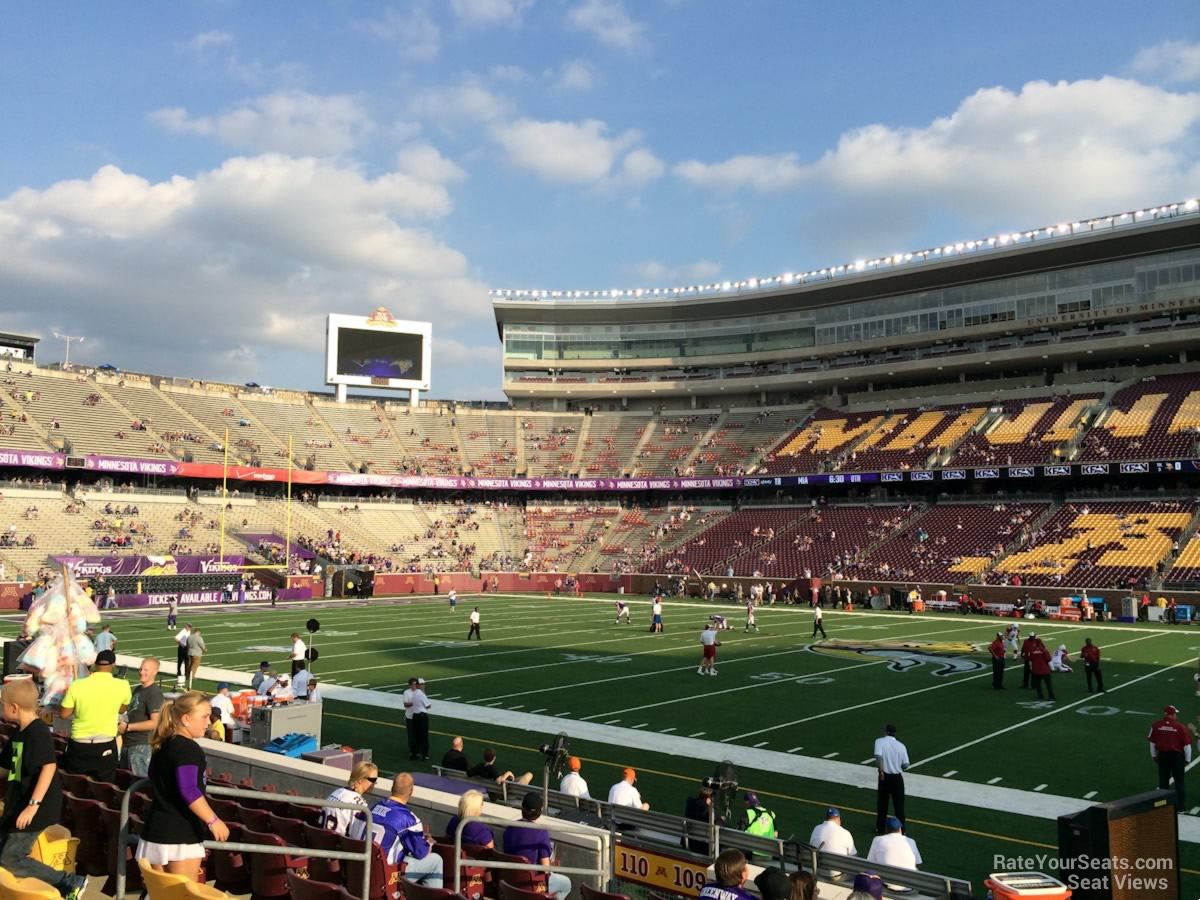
{"points": [[79, 339]]}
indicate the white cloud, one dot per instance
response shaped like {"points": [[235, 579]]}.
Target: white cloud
{"points": [[576, 75], [609, 23], [660, 274], [412, 31], [205, 40], [458, 353], [423, 161], [572, 152], [1046, 152], [510, 73], [287, 121], [1171, 61], [640, 167], [467, 102], [489, 12]]}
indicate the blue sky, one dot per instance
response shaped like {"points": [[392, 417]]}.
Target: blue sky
{"points": [[194, 185]]}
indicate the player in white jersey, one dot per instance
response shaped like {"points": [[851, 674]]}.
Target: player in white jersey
{"points": [[1058, 662], [750, 623], [719, 622], [1013, 637], [623, 612]]}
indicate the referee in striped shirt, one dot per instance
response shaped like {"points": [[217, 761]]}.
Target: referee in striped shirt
{"points": [[891, 757]]}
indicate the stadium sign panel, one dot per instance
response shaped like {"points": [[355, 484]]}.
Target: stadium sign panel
{"points": [[378, 351], [672, 874]]}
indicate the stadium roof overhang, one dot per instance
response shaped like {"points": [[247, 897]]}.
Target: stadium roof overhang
{"points": [[1133, 241]]}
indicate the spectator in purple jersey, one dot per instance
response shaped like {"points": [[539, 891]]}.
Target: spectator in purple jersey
{"points": [[534, 845], [731, 869], [398, 832], [475, 834]]}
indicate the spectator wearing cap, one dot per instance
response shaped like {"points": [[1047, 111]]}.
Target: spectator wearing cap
{"points": [[773, 884], [698, 808], [145, 704], [93, 705], [534, 845], [894, 848], [300, 680], [623, 793], [455, 759], [891, 758], [264, 669], [867, 886], [223, 703], [1171, 749], [832, 837], [573, 784], [757, 819], [730, 870]]}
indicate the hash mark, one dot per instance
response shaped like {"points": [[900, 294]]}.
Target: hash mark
{"points": [[1040, 787], [830, 755], [761, 744]]}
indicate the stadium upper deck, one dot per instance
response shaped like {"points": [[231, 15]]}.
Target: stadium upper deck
{"points": [[1033, 300]]}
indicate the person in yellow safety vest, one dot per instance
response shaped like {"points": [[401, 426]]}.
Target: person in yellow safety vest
{"points": [[757, 819]]}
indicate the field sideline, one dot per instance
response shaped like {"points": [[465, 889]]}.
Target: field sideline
{"points": [[776, 691]]}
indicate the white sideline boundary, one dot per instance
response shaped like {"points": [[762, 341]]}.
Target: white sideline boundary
{"points": [[926, 787]]}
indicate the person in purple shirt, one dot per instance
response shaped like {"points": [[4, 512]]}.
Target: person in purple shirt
{"points": [[534, 844], [731, 869], [475, 834], [400, 835]]}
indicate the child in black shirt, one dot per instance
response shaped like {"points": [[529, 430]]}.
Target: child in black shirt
{"points": [[33, 796]]}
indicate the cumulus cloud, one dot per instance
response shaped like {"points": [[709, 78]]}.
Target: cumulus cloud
{"points": [[1170, 61], [468, 102], [658, 274], [208, 274], [610, 23], [206, 40], [412, 31], [570, 152], [295, 122], [1046, 151], [425, 162], [576, 75], [489, 12]]}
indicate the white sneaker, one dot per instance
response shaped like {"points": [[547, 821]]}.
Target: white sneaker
{"points": [[712, 671], [700, 671]]}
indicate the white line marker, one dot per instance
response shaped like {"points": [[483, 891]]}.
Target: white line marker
{"points": [[642, 725], [613, 722], [1191, 812], [450, 699], [667, 730], [761, 744], [532, 711], [795, 749], [698, 734], [951, 773], [518, 706], [1090, 794], [497, 703], [561, 714], [995, 780], [830, 755], [1040, 787], [871, 760]]}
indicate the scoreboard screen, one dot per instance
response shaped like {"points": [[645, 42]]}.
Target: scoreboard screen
{"points": [[378, 351]]}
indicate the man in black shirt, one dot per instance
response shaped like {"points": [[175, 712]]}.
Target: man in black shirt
{"points": [[697, 809], [487, 770], [33, 794], [455, 758]]}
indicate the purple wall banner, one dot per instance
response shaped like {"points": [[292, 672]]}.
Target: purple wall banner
{"points": [[91, 566], [131, 466], [34, 459], [450, 482]]}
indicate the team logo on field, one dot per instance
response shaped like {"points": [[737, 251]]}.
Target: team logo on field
{"points": [[946, 657]]}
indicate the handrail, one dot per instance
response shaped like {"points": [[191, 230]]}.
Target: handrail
{"points": [[365, 856], [459, 862]]}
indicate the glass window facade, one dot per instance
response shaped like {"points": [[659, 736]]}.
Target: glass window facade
{"points": [[1094, 288]]}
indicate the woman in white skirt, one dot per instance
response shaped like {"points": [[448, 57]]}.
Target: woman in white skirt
{"points": [[179, 819]]}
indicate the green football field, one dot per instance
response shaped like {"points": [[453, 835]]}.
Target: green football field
{"points": [[777, 690]]}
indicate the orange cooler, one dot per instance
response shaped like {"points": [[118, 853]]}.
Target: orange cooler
{"points": [[1005, 885]]}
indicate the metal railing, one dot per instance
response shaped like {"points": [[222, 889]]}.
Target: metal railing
{"points": [[460, 863], [125, 839]]}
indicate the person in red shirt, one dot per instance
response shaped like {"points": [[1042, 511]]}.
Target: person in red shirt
{"points": [[1171, 748], [1090, 654], [1039, 666], [1028, 645], [997, 651]]}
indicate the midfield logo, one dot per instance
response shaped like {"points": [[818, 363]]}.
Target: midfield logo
{"points": [[946, 657]]}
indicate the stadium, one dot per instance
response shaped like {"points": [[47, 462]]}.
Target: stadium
{"points": [[921, 443]]}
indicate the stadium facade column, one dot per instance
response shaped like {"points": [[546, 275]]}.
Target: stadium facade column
{"points": [[341, 393], [414, 398]]}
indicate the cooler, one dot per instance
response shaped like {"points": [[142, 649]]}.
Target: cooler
{"points": [[1026, 884]]}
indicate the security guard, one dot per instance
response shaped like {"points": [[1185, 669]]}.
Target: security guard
{"points": [[1171, 748], [757, 819]]}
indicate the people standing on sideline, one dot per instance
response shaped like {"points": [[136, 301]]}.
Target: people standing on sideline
{"points": [[362, 779], [179, 819], [817, 626], [894, 848], [181, 650], [301, 680], [172, 612], [299, 653], [105, 640], [1039, 665], [475, 834], [93, 705], [110, 598], [416, 712], [572, 783], [997, 651], [145, 704], [1026, 649], [750, 623], [196, 649], [757, 819], [708, 653], [1012, 637], [623, 793], [452, 596], [437, 585], [832, 837], [475, 625], [1090, 654], [656, 623], [891, 758], [533, 844], [1171, 749], [400, 835], [264, 669]]}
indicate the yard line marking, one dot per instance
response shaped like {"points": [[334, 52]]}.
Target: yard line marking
{"points": [[1053, 712], [667, 730], [642, 725], [613, 722], [697, 734], [560, 715], [1040, 787], [1191, 812], [497, 703], [1090, 794], [533, 711], [830, 755], [761, 744], [865, 761], [449, 699], [890, 698], [951, 773], [996, 780], [515, 708], [794, 749]]}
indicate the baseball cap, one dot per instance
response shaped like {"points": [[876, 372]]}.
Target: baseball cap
{"points": [[574, 764], [223, 686], [889, 729], [869, 883], [833, 813], [630, 774], [773, 884], [531, 802], [1167, 710], [751, 798], [265, 664], [893, 824], [420, 681], [106, 658]]}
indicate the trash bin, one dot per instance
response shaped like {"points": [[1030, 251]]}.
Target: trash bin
{"points": [[621, 589], [1005, 885]]}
